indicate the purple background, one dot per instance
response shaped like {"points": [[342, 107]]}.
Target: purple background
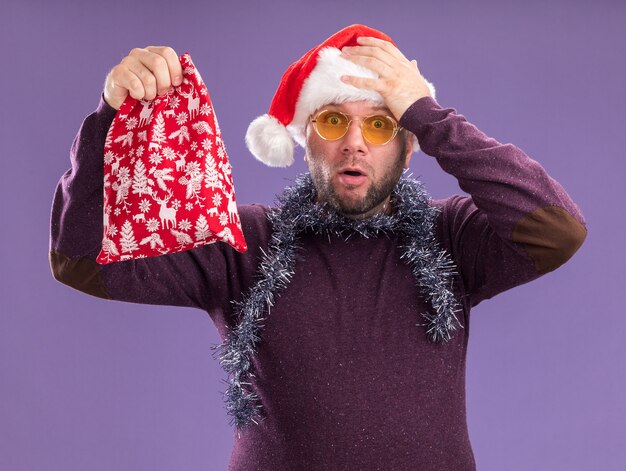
{"points": [[87, 384]]}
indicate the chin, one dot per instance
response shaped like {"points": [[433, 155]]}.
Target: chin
{"points": [[357, 207]]}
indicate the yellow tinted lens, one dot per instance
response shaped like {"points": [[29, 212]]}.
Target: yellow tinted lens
{"points": [[331, 125], [378, 129]]}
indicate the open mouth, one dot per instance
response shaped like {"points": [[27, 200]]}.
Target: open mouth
{"points": [[352, 178]]}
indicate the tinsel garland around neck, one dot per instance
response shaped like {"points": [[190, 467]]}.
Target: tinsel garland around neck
{"points": [[412, 219]]}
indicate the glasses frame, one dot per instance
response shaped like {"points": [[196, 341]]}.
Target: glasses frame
{"points": [[396, 126]]}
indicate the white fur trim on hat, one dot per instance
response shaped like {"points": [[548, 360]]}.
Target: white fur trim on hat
{"points": [[269, 141], [324, 86]]}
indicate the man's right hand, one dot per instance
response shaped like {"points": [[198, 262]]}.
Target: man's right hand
{"points": [[143, 74]]}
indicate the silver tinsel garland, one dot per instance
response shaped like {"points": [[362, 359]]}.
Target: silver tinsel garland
{"points": [[413, 219]]}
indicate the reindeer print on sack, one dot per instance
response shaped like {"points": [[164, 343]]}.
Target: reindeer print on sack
{"points": [[168, 184], [193, 100], [146, 112], [167, 214]]}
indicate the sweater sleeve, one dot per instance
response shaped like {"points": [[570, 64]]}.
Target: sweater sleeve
{"points": [[207, 277], [518, 222]]}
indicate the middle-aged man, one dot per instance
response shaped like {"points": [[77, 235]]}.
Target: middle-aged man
{"points": [[346, 341]]}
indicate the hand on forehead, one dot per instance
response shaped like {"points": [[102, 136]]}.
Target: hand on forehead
{"points": [[399, 81]]}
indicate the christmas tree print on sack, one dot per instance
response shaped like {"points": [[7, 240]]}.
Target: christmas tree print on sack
{"points": [[168, 183]]}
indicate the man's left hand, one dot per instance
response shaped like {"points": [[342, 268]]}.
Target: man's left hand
{"points": [[400, 82]]}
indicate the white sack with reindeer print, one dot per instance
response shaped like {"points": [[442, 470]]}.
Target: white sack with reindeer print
{"points": [[168, 185]]}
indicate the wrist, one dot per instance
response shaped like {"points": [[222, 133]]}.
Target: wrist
{"points": [[105, 111], [399, 107]]}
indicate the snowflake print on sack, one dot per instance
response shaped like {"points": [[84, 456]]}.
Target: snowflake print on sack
{"points": [[167, 180], [155, 158], [223, 217], [144, 205], [169, 154], [152, 225], [109, 157], [131, 123], [184, 225], [181, 118]]}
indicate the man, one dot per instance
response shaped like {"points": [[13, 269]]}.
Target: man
{"points": [[347, 340]]}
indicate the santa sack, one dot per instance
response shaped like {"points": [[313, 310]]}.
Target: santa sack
{"points": [[168, 185]]}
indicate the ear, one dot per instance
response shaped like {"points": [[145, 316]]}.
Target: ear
{"points": [[306, 143], [409, 148]]}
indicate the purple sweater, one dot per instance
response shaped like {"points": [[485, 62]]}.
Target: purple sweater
{"points": [[346, 378]]}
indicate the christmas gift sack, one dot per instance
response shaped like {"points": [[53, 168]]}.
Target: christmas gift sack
{"points": [[168, 185]]}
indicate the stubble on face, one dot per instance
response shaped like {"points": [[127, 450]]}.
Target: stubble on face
{"points": [[353, 206]]}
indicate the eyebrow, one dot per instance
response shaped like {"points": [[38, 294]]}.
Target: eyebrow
{"points": [[376, 108]]}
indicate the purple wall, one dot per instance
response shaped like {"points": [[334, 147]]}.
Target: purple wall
{"points": [[87, 384]]}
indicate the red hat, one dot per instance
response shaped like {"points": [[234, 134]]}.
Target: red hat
{"points": [[312, 81]]}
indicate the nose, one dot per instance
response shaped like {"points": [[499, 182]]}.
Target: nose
{"points": [[353, 142]]}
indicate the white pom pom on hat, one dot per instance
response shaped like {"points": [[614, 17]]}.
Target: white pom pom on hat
{"points": [[270, 142], [308, 84]]}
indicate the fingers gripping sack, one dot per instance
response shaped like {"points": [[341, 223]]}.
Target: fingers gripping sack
{"points": [[168, 184]]}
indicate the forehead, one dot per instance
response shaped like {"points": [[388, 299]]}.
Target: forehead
{"points": [[358, 108]]}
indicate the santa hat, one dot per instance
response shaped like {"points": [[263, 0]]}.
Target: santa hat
{"points": [[311, 82]]}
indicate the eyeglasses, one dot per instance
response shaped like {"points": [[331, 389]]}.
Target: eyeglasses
{"points": [[378, 129]]}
